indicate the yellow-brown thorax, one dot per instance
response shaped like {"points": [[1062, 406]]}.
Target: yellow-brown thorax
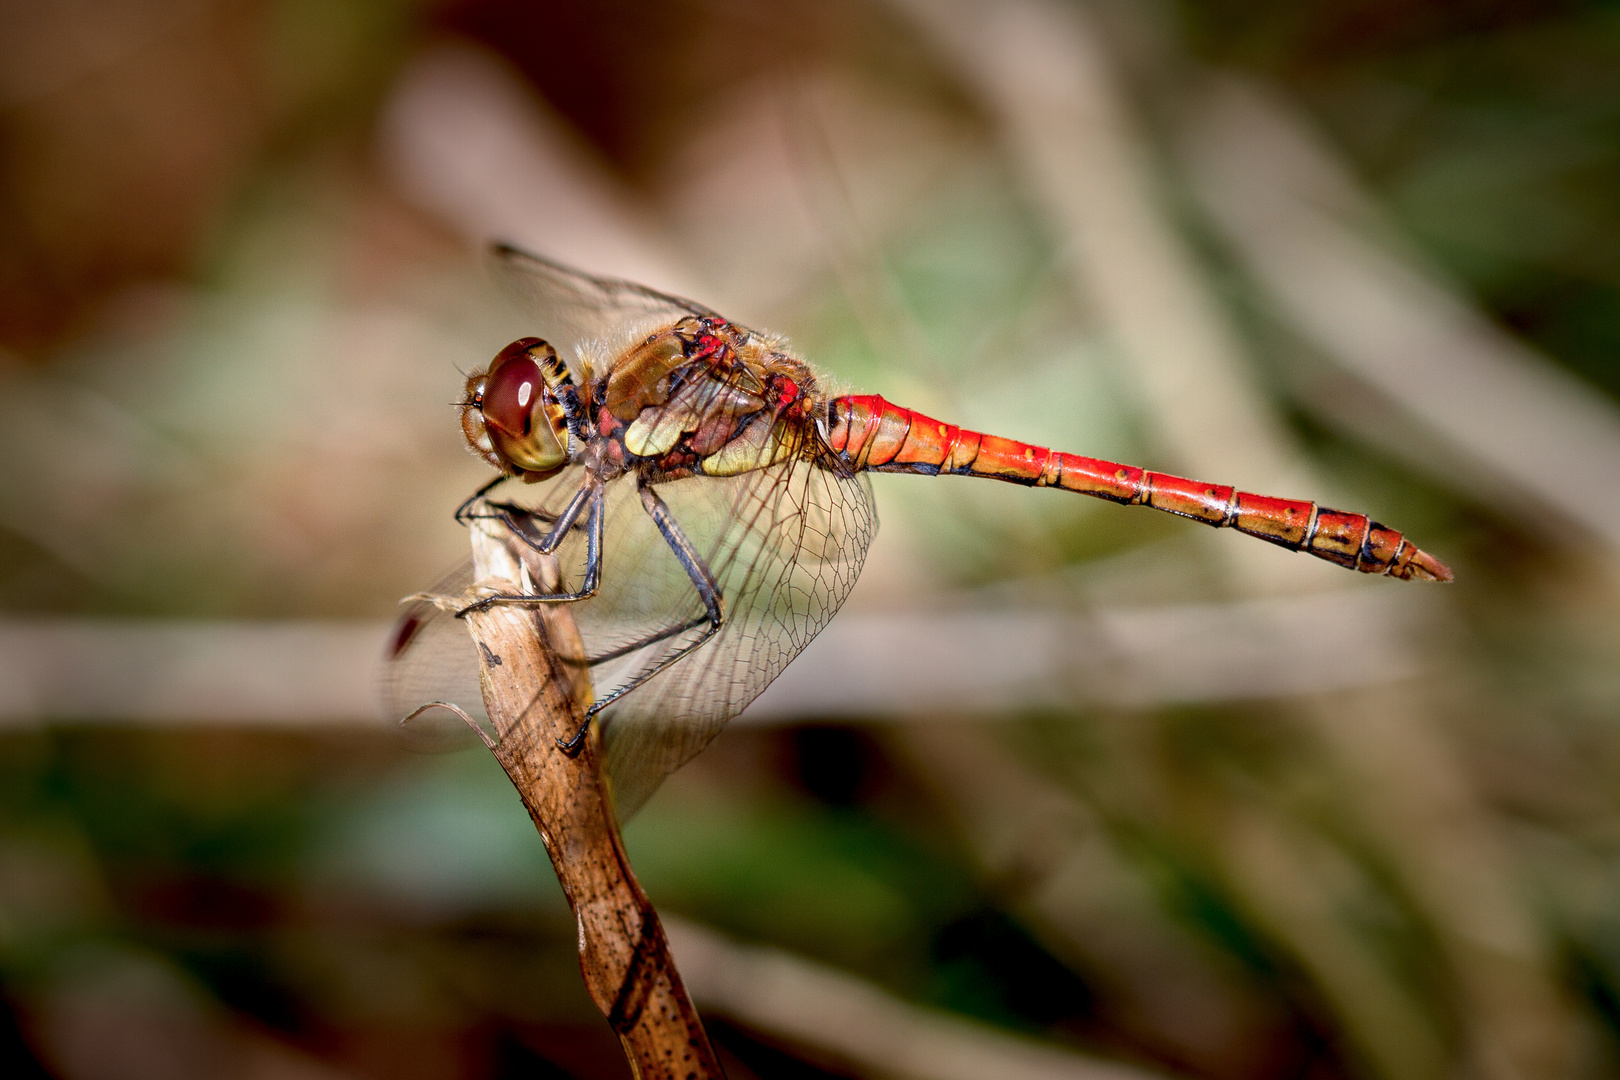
{"points": [[700, 396]]}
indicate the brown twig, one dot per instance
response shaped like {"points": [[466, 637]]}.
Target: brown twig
{"points": [[535, 689]]}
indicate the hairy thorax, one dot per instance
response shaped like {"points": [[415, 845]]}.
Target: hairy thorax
{"points": [[703, 396]]}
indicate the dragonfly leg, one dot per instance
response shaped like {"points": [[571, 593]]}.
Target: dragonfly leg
{"points": [[708, 591], [519, 519], [515, 518], [463, 512], [591, 495], [650, 639]]}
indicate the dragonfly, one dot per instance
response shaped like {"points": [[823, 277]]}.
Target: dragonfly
{"points": [[708, 499]]}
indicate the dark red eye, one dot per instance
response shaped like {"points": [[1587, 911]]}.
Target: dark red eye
{"points": [[511, 390]]}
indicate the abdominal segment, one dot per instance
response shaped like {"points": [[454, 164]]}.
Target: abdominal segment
{"points": [[872, 434]]}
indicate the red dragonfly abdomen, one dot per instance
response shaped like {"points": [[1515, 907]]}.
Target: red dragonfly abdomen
{"points": [[874, 435]]}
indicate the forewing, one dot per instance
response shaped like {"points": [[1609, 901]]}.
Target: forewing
{"points": [[785, 545], [431, 658], [571, 308]]}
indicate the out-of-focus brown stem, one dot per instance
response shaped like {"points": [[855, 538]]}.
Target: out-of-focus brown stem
{"points": [[536, 689]]}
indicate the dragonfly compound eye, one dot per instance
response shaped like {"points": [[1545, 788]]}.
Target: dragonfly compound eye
{"points": [[518, 410]]}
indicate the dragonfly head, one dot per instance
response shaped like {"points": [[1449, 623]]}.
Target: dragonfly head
{"points": [[515, 415]]}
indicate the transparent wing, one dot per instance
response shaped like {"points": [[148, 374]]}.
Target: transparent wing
{"points": [[644, 593], [430, 655], [431, 658], [571, 308], [785, 545]]}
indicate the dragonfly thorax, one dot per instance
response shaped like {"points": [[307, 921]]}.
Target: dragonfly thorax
{"points": [[700, 395], [643, 375]]}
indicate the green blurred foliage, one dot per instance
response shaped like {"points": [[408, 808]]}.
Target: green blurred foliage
{"points": [[1491, 131], [228, 346]]}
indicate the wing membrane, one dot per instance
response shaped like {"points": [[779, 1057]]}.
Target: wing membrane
{"points": [[572, 309], [786, 550], [432, 658], [784, 544]]}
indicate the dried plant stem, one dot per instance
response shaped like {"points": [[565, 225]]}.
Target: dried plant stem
{"points": [[536, 690]]}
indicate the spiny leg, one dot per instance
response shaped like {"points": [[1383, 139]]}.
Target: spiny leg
{"points": [[517, 518], [651, 639], [521, 521], [707, 589], [593, 495], [505, 512], [462, 515]]}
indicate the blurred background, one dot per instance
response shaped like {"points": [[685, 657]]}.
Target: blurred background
{"points": [[1068, 789]]}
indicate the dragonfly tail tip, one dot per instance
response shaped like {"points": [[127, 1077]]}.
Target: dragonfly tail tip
{"points": [[1425, 567]]}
